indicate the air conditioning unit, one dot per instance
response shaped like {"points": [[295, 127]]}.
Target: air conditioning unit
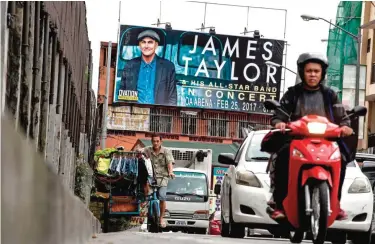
{"points": [[187, 158]]}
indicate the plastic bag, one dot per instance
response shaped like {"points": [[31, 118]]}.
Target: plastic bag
{"points": [[149, 167]]}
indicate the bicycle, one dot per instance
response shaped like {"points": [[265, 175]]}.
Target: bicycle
{"points": [[153, 214]]}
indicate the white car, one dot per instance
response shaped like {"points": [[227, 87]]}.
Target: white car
{"points": [[245, 191]]}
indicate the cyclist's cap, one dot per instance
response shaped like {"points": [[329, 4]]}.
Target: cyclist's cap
{"points": [[149, 33]]}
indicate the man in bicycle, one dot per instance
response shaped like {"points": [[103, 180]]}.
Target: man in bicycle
{"points": [[162, 161]]}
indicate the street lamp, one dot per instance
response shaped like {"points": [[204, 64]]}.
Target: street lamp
{"points": [[272, 64], [306, 17]]}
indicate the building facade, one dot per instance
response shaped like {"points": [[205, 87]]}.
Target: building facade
{"points": [[368, 58]]}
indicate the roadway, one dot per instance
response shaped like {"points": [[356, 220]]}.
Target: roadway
{"points": [[180, 238]]}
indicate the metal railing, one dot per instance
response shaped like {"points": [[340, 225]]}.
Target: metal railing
{"points": [[193, 123]]}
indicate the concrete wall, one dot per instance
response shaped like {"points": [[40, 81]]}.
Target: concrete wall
{"points": [[36, 206]]}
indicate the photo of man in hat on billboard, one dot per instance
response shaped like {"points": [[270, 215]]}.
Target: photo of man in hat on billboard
{"points": [[153, 77]]}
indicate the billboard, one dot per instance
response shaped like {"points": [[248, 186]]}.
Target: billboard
{"points": [[196, 69]]}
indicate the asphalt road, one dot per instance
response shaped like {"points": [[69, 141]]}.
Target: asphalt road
{"points": [[177, 238]]}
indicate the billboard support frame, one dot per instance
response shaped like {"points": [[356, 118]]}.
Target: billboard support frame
{"points": [[243, 6]]}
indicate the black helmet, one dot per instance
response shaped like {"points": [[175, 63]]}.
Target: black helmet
{"points": [[305, 58]]}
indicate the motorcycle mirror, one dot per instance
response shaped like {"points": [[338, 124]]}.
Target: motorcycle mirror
{"points": [[271, 104], [359, 110]]}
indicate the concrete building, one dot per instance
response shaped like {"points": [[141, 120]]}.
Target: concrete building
{"points": [[368, 58]]}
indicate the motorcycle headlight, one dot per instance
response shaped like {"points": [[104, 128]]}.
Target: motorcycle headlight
{"points": [[247, 178], [360, 185], [316, 128], [335, 155], [297, 153]]}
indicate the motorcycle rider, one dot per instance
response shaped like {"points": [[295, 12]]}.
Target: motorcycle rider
{"points": [[308, 97]]}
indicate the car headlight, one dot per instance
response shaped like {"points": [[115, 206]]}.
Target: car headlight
{"points": [[360, 185], [201, 214], [297, 153], [166, 214], [316, 128], [247, 178], [335, 155]]}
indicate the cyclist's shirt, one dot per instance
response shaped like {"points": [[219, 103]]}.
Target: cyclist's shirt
{"points": [[160, 163]]}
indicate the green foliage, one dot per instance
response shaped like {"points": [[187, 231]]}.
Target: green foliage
{"points": [[105, 152], [83, 179]]}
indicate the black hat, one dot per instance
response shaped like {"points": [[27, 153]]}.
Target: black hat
{"points": [[149, 33]]}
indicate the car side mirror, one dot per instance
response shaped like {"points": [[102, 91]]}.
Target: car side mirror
{"points": [[226, 158]]}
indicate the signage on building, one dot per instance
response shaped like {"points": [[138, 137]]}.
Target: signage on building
{"points": [[218, 176], [122, 118], [197, 70]]}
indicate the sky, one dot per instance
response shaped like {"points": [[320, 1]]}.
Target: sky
{"points": [[302, 36]]}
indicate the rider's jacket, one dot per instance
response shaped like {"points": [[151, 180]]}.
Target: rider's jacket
{"points": [[298, 102]]}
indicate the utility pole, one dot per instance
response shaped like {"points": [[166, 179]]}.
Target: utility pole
{"points": [[105, 108]]}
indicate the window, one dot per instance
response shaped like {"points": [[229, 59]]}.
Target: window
{"points": [[218, 126], [189, 123], [160, 122], [105, 57], [253, 150], [368, 45]]}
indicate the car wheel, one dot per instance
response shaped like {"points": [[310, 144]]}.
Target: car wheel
{"points": [[362, 237], [296, 236], [236, 230], [337, 237]]}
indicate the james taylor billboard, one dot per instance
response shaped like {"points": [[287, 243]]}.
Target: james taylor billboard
{"points": [[196, 70]]}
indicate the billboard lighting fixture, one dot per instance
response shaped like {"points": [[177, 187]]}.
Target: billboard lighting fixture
{"points": [[168, 26], [256, 34]]}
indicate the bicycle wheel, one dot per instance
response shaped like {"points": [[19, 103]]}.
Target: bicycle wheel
{"points": [[156, 216], [153, 218]]}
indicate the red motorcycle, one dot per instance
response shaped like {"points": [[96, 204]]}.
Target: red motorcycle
{"points": [[314, 170]]}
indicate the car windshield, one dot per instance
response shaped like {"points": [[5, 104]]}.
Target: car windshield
{"points": [[253, 152]]}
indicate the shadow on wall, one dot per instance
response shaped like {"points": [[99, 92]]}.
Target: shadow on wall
{"points": [[36, 206]]}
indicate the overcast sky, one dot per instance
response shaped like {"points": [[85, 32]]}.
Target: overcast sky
{"points": [[102, 17]]}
